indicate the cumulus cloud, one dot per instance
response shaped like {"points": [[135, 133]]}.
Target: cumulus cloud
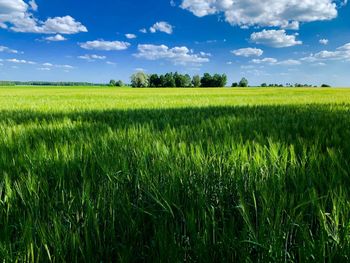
{"points": [[105, 45], [8, 50], [177, 55], [16, 15], [20, 61], [92, 57], [324, 41], [273, 61], [33, 5], [281, 13], [341, 53], [275, 38], [130, 36], [55, 38], [265, 60], [50, 65], [248, 52], [164, 27]]}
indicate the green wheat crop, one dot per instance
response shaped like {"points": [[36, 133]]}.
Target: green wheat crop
{"points": [[174, 175]]}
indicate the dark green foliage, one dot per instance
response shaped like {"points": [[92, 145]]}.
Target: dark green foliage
{"points": [[217, 80], [182, 80], [243, 83], [325, 86], [169, 80], [112, 83], [119, 83], [234, 85], [154, 81]]}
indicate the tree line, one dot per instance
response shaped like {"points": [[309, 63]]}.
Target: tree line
{"points": [[47, 83], [173, 80]]}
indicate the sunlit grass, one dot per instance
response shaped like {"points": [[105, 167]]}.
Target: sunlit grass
{"points": [[213, 175]]}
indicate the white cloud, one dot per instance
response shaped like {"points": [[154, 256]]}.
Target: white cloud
{"points": [[20, 61], [341, 53], [44, 69], [273, 61], [55, 38], [265, 60], [324, 41], [111, 63], [289, 62], [248, 52], [177, 55], [8, 50], [50, 65], [130, 36], [161, 27], [275, 38], [143, 30], [92, 57], [105, 45], [64, 66], [33, 5], [16, 15], [276, 13]]}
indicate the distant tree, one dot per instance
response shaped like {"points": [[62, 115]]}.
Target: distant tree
{"points": [[234, 85], [187, 81], [112, 83], [206, 80], [196, 81], [162, 81], [169, 80], [182, 81], [219, 80], [139, 80], [325, 86], [243, 83], [154, 81], [119, 83], [264, 85]]}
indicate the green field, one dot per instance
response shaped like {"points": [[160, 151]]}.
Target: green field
{"points": [[174, 175]]}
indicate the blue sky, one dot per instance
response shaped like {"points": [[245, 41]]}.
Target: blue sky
{"points": [[273, 41]]}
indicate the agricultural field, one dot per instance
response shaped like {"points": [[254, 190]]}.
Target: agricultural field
{"points": [[192, 175]]}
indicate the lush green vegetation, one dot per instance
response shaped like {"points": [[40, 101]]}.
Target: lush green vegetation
{"points": [[159, 175], [176, 80]]}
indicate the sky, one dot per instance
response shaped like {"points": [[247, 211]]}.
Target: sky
{"points": [[272, 41]]}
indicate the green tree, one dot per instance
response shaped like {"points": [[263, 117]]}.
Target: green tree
{"points": [[112, 83], [243, 83], [219, 80], [169, 80], [119, 83], [154, 81], [206, 80], [139, 80], [182, 81], [234, 85], [196, 81]]}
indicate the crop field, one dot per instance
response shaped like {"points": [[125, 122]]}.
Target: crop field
{"points": [[190, 175]]}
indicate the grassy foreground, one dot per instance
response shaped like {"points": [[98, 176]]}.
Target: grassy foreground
{"points": [[196, 175]]}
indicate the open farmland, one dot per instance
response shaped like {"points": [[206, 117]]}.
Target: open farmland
{"points": [[195, 175]]}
